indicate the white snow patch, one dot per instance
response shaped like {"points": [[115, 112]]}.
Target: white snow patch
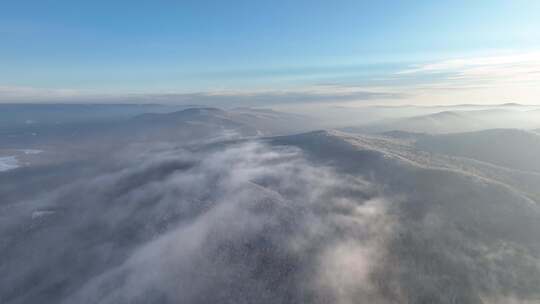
{"points": [[8, 163], [31, 151], [40, 213]]}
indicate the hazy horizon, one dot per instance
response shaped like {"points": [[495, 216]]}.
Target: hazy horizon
{"points": [[241, 53]]}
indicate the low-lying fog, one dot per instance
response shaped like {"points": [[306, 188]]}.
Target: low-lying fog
{"points": [[203, 205]]}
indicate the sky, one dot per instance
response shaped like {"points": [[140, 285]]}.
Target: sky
{"points": [[270, 52]]}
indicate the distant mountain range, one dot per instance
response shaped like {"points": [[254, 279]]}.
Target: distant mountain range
{"points": [[22, 115], [455, 121], [183, 126]]}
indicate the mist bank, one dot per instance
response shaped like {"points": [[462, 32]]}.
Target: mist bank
{"points": [[317, 217], [70, 125], [207, 205]]}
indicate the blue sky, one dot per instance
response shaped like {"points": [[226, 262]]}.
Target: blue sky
{"points": [[68, 49]]}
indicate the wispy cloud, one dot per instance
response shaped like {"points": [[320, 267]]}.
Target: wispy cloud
{"points": [[508, 77], [314, 94], [20, 93], [509, 68], [481, 79]]}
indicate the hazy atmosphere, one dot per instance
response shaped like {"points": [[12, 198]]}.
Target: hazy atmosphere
{"points": [[270, 152]]}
